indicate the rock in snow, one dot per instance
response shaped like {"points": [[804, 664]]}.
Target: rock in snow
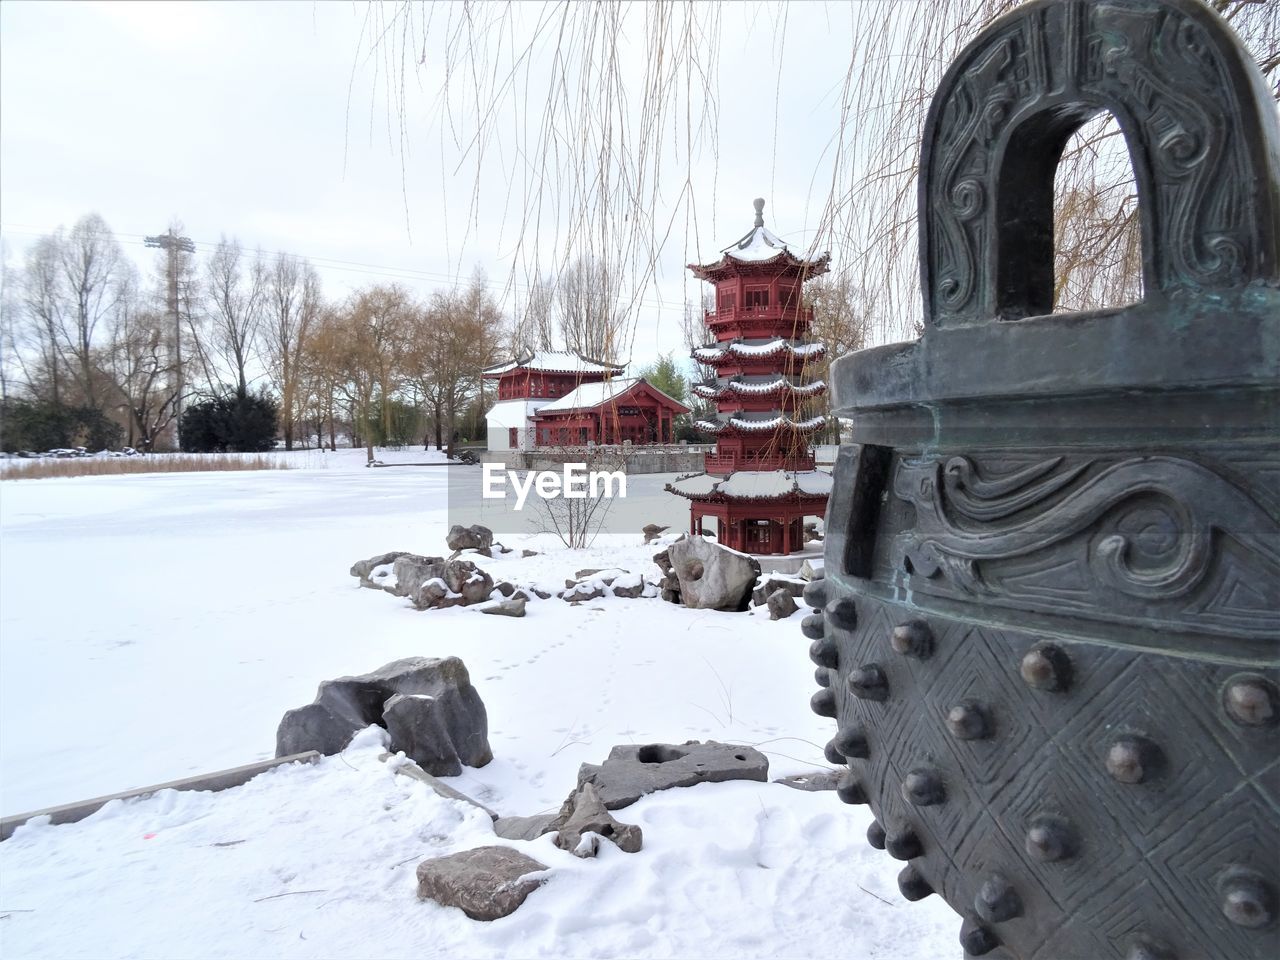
{"points": [[487, 883], [474, 537], [632, 771], [427, 704], [584, 819], [712, 577], [507, 608], [782, 604]]}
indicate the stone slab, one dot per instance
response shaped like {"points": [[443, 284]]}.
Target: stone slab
{"points": [[220, 780]]}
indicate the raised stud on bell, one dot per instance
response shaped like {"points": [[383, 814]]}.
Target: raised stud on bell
{"points": [[849, 788], [912, 639], [997, 901], [977, 939], [822, 677], [815, 594], [903, 845], [833, 755], [1251, 700], [1046, 667], [823, 703], [1134, 760], [924, 788], [1051, 838], [1247, 900], [825, 653], [843, 613], [912, 885], [969, 720], [813, 626], [875, 835], [868, 682], [851, 741]]}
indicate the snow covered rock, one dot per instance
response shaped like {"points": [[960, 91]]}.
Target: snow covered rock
{"points": [[364, 569], [474, 537], [631, 771], [524, 828], [452, 583], [428, 706], [651, 532], [410, 572], [712, 577], [507, 608], [772, 583], [813, 569], [584, 819], [486, 883], [812, 782], [782, 604]]}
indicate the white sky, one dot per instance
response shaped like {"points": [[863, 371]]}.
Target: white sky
{"points": [[232, 117]]}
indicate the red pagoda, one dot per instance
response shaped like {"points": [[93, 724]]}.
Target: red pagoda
{"points": [[760, 483]]}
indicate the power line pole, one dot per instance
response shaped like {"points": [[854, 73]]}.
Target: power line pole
{"points": [[172, 245]]}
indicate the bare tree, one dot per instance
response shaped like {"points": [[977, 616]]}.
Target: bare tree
{"points": [[534, 326], [143, 372], [459, 334], [602, 147], [291, 304], [236, 298], [44, 303], [364, 342], [588, 314], [95, 278]]}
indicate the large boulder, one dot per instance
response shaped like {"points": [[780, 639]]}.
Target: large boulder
{"points": [[712, 577], [428, 706], [486, 883], [474, 537], [633, 770]]}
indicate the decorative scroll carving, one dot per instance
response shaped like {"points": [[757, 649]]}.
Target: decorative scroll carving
{"points": [[1169, 75], [1146, 525]]}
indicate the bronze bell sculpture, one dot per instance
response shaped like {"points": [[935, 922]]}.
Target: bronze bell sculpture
{"points": [[1049, 631]]}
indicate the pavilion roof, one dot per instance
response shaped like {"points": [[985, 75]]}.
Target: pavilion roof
{"points": [[759, 246], [589, 396], [554, 361]]}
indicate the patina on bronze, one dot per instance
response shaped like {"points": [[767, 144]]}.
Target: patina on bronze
{"points": [[1049, 628]]}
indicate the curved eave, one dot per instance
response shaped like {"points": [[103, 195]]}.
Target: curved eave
{"points": [[729, 265], [717, 497], [736, 427], [776, 390]]}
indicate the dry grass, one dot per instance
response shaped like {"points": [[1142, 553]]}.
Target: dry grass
{"points": [[112, 466]]}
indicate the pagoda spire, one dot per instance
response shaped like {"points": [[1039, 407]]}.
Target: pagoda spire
{"points": [[758, 203]]}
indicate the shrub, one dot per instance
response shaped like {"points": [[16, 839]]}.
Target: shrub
{"points": [[236, 423], [40, 425]]}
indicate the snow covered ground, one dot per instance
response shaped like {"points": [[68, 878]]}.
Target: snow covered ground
{"points": [[154, 627]]}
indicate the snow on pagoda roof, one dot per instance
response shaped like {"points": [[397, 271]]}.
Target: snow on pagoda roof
{"points": [[590, 395], [759, 426], [755, 484], [554, 361], [760, 245], [742, 388], [738, 348]]}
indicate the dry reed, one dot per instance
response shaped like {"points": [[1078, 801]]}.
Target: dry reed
{"points": [[45, 468]]}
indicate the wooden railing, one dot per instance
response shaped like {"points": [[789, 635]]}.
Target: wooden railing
{"points": [[725, 463]]}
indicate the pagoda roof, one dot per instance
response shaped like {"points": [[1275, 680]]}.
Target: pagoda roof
{"points": [[758, 247], [589, 396], [554, 361], [754, 485], [743, 425], [769, 348], [779, 385]]}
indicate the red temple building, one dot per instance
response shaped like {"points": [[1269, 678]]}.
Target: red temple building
{"points": [[760, 483], [561, 399]]}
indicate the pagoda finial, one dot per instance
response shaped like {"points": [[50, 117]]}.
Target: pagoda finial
{"points": [[758, 203]]}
